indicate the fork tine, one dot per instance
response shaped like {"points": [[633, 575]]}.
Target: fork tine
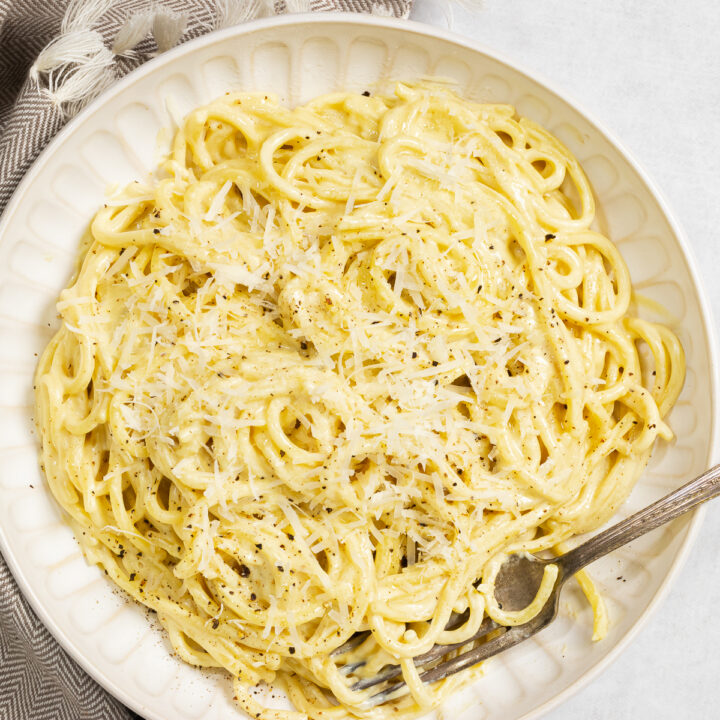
{"points": [[437, 651], [456, 620], [510, 636], [356, 640]]}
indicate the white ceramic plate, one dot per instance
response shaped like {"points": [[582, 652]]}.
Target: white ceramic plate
{"points": [[114, 141]]}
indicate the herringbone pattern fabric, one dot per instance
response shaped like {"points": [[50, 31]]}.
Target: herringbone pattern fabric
{"points": [[38, 681], [37, 678]]}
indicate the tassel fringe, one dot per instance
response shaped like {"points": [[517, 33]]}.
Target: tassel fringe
{"points": [[134, 31], [77, 65]]}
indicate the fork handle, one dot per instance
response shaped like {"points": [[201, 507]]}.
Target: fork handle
{"points": [[697, 491]]}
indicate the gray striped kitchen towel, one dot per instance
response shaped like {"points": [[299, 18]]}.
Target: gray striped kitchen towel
{"points": [[55, 56]]}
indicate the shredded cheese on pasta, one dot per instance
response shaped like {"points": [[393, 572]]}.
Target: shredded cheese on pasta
{"points": [[332, 366]]}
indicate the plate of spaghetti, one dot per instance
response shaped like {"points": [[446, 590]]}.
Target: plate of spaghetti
{"points": [[311, 323]]}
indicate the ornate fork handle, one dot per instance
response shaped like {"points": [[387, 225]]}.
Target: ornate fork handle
{"points": [[678, 502]]}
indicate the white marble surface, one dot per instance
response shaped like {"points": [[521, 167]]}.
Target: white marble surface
{"points": [[650, 72]]}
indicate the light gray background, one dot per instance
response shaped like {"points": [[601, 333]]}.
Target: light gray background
{"points": [[650, 72]]}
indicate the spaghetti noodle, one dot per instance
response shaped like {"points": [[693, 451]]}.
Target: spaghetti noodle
{"points": [[330, 368]]}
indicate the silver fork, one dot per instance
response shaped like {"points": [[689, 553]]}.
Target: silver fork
{"points": [[516, 585]]}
